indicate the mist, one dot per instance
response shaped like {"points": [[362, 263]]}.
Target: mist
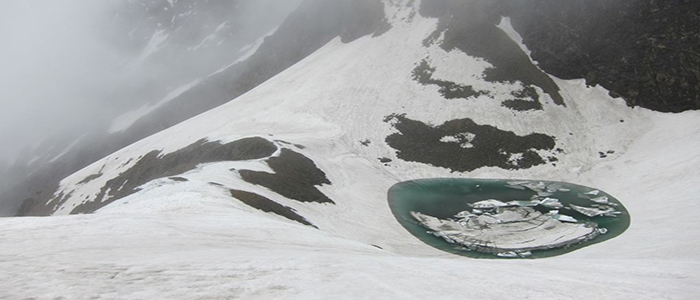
{"points": [[55, 70], [70, 67]]}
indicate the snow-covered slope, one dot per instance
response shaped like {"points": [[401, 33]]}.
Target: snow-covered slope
{"points": [[187, 235], [166, 48]]}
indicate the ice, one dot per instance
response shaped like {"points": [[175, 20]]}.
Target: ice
{"points": [[509, 229], [554, 187], [563, 218], [594, 212], [488, 204], [509, 254], [600, 200], [551, 202], [464, 214], [524, 203], [516, 183]]}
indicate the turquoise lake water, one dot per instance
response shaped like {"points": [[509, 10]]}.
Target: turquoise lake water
{"points": [[443, 198]]}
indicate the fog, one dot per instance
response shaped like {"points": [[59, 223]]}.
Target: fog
{"points": [[70, 67], [53, 77], [67, 66]]}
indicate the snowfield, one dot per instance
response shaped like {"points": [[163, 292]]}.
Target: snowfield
{"points": [[192, 240]]}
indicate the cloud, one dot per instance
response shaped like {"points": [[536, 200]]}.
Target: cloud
{"points": [[68, 65], [56, 68]]}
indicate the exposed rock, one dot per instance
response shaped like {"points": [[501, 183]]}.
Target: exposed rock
{"points": [[470, 26], [310, 27], [644, 51], [490, 146], [152, 166], [262, 203], [90, 178], [423, 73], [295, 177]]}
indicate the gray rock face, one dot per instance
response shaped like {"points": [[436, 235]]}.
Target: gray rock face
{"points": [[264, 204], [295, 177], [644, 51], [462, 145]]}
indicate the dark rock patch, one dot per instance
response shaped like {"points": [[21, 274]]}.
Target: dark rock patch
{"points": [[262, 203], [382, 28], [216, 184], [522, 105], [470, 26], [645, 51], [43, 203], [127, 162], [525, 99], [90, 178], [288, 143], [179, 179], [462, 145], [423, 73], [295, 177], [605, 154], [154, 165], [365, 143], [384, 160]]}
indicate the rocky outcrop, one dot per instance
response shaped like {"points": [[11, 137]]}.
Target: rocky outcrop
{"points": [[462, 145], [264, 204], [295, 177], [644, 51], [151, 166]]}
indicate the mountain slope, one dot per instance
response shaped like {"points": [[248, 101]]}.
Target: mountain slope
{"points": [[329, 126], [269, 55]]}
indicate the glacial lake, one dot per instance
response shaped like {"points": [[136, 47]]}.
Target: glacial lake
{"points": [[445, 198]]}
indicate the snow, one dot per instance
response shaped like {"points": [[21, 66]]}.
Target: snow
{"points": [[183, 240], [125, 121], [209, 38], [154, 44], [508, 29], [65, 151], [248, 50]]}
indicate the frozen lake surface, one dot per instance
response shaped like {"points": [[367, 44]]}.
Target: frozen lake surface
{"points": [[486, 218]]}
